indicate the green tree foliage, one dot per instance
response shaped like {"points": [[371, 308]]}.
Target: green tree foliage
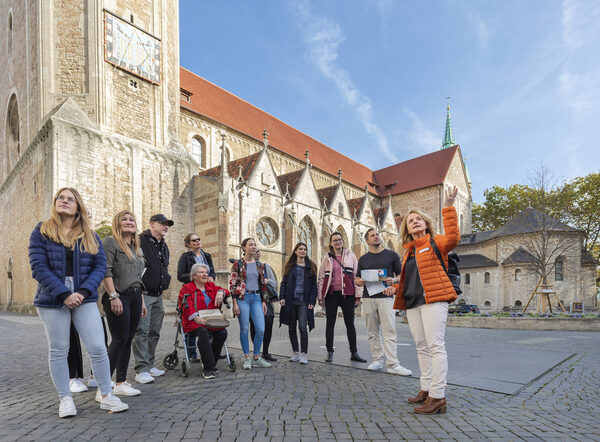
{"points": [[575, 202], [500, 205], [104, 230]]}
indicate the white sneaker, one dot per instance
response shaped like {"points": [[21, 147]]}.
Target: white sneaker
{"points": [[156, 372], [375, 365], [125, 389], [399, 369], [247, 364], [76, 385], [144, 377], [295, 357], [92, 382], [67, 407], [113, 404], [303, 359]]}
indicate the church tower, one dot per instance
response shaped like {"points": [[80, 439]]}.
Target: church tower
{"points": [[448, 137], [90, 98]]}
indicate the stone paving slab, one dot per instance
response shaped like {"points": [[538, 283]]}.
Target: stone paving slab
{"points": [[480, 362], [313, 402]]}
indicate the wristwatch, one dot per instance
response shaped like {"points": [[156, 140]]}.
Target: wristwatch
{"points": [[113, 296]]}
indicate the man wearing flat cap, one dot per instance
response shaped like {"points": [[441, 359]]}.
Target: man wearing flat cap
{"points": [[156, 279]]}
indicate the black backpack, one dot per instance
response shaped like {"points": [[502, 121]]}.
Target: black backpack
{"points": [[452, 270]]}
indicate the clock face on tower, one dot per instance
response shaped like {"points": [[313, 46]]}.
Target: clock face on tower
{"points": [[131, 49]]}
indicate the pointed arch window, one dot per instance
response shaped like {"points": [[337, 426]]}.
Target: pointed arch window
{"points": [[558, 269], [486, 278], [467, 278], [10, 34], [305, 234], [341, 208], [13, 141], [199, 150], [518, 275]]}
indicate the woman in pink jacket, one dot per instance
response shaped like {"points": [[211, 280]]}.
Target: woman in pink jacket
{"points": [[337, 289]]}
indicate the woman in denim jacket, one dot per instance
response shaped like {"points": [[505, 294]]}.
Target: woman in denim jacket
{"points": [[248, 289]]}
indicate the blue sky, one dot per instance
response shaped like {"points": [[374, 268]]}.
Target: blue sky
{"points": [[370, 78]]}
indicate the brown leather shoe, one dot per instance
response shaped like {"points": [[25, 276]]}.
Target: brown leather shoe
{"points": [[419, 398], [432, 406]]}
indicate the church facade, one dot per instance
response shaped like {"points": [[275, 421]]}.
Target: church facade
{"points": [[93, 97]]}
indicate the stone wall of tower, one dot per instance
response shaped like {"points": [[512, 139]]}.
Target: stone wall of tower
{"points": [[25, 199], [19, 75]]}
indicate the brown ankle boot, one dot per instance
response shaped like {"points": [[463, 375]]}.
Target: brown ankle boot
{"points": [[432, 406], [419, 398]]}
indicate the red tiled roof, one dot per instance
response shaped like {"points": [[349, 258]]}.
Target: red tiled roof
{"points": [[326, 193], [222, 106], [233, 167], [289, 181], [355, 205], [417, 173], [379, 213], [219, 105]]}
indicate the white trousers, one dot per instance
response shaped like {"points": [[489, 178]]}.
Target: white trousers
{"points": [[428, 327], [380, 320]]}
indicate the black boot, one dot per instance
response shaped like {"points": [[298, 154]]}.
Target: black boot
{"points": [[268, 357], [329, 356], [356, 357]]}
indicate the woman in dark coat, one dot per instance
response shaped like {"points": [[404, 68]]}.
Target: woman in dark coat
{"points": [[194, 255], [298, 296]]}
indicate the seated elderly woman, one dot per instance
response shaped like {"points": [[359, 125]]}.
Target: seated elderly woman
{"points": [[201, 294]]}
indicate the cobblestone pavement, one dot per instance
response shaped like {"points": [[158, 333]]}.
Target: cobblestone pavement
{"points": [[292, 402]]}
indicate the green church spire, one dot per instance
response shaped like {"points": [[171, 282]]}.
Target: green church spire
{"points": [[448, 138]]}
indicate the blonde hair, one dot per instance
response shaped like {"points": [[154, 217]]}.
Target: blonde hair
{"points": [[118, 235], [82, 226], [407, 237]]}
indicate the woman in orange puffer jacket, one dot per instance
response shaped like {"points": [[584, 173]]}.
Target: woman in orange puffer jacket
{"points": [[424, 292]]}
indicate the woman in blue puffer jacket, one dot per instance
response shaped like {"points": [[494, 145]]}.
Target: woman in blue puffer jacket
{"points": [[68, 262]]}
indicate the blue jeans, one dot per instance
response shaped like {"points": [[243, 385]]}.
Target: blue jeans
{"points": [[251, 307], [87, 321]]}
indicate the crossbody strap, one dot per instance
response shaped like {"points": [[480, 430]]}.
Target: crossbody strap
{"points": [[439, 255]]}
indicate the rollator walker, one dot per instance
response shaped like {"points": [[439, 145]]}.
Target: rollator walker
{"points": [[171, 360]]}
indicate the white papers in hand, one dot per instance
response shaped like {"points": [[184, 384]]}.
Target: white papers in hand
{"points": [[372, 282]]}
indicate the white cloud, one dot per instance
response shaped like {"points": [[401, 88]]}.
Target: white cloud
{"points": [[580, 90], [323, 38], [420, 137], [482, 29], [579, 22], [579, 86]]}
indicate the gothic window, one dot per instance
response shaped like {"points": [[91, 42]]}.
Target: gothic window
{"points": [[558, 269], [267, 232], [10, 34], [517, 274], [341, 208], [462, 223], [305, 234], [486, 278], [13, 142], [199, 150], [467, 278]]}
